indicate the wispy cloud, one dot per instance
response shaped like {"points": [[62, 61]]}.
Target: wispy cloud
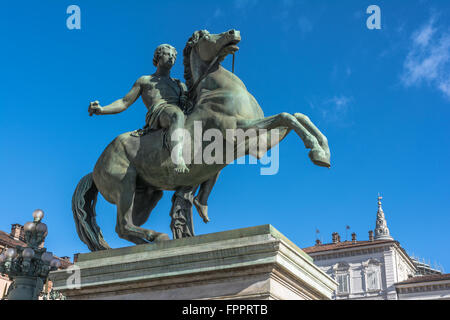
{"points": [[340, 73], [340, 103], [428, 60], [423, 36], [291, 21], [218, 13], [333, 110]]}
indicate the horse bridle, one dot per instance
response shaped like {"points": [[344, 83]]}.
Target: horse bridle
{"points": [[203, 76]]}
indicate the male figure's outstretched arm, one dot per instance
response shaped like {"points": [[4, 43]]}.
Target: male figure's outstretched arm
{"points": [[118, 105]]}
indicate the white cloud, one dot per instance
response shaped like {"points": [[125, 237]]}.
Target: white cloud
{"points": [[290, 21], [423, 36], [340, 102], [428, 59], [445, 87], [340, 73], [336, 108]]}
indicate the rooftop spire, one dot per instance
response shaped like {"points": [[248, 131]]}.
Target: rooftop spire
{"points": [[381, 229]]}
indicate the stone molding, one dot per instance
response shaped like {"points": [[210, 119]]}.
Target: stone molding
{"points": [[251, 263]]}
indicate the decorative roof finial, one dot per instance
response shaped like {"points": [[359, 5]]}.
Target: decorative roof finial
{"points": [[381, 229]]}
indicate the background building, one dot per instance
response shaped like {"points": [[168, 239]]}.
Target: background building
{"points": [[425, 287], [10, 240], [378, 268]]}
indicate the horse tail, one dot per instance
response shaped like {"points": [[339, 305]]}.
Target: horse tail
{"points": [[83, 207]]}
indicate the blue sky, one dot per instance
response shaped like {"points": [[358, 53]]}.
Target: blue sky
{"points": [[382, 97]]}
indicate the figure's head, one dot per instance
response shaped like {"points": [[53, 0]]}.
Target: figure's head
{"points": [[210, 45], [165, 55]]}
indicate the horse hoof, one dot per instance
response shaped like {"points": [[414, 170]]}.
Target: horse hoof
{"points": [[161, 237], [319, 158]]}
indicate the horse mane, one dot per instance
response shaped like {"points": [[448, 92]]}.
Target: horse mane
{"points": [[196, 36]]}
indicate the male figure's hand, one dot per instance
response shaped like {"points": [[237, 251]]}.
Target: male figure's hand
{"points": [[94, 108]]}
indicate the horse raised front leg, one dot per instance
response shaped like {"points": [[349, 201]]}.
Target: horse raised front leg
{"points": [[317, 154], [309, 125]]}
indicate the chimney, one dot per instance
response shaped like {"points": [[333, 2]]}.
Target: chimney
{"points": [[370, 235], [318, 242], [335, 237], [75, 257], [353, 237], [17, 232]]}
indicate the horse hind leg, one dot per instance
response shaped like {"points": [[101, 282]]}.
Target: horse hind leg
{"points": [[144, 203], [126, 227]]}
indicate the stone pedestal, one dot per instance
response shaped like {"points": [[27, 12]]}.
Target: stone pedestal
{"points": [[251, 263]]}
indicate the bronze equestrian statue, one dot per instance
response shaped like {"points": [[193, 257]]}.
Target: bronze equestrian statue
{"points": [[135, 169]]}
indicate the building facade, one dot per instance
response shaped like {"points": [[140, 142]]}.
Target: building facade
{"points": [[425, 287], [10, 240], [377, 269]]}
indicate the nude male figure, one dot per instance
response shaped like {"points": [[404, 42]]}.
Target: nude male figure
{"points": [[164, 98]]}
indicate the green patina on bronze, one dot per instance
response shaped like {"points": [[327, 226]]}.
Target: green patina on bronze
{"points": [[135, 169]]}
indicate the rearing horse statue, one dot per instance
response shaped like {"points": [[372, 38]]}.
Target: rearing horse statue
{"points": [[133, 172]]}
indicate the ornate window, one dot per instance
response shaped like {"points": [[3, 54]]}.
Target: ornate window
{"points": [[372, 275], [342, 276], [343, 280], [372, 280]]}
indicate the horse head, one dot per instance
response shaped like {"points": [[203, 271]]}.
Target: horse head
{"points": [[219, 45], [204, 50]]}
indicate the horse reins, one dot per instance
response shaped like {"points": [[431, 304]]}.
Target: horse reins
{"points": [[203, 76], [232, 67]]}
